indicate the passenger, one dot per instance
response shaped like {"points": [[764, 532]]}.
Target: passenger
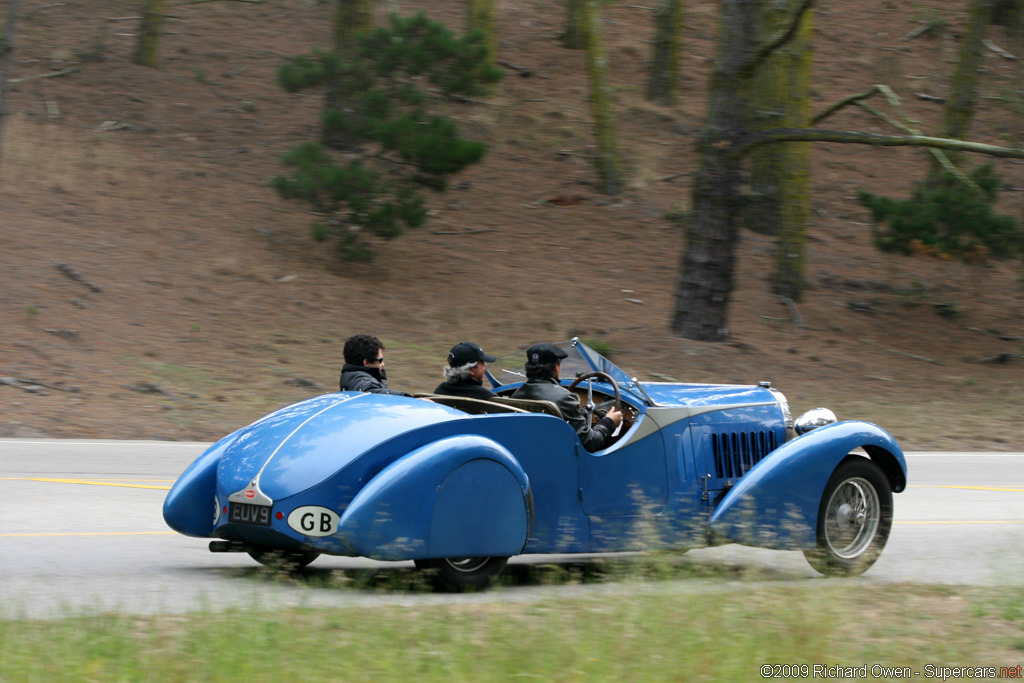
{"points": [[543, 370], [464, 376], [364, 367]]}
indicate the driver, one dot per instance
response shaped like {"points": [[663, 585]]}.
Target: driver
{"points": [[543, 370]]}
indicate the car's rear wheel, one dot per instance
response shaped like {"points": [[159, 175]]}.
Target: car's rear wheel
{"points": [[283, 559], [464, 573], [854, 519]]}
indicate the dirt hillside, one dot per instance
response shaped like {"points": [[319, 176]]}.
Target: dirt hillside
{"points": [[153, 286]]}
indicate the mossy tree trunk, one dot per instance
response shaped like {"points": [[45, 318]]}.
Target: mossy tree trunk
{"points": [[351, 17], [609, 166], [575, 36], [147, 50], [6, 57], [780, 177], [664, 79], [483, 17], [959, 108]]}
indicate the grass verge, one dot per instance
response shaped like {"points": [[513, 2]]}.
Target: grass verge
{"points": [[649, 631]]}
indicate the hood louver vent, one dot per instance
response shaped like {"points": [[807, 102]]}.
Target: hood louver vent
{"points": [[735, 453]]}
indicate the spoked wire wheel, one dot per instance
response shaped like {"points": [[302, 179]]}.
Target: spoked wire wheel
{"points": [[854, 519]]}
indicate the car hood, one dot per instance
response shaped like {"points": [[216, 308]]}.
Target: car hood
{"points": [[299, 446]]}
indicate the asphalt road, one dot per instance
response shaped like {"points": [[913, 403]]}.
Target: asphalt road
{"points": [[81, 531]]}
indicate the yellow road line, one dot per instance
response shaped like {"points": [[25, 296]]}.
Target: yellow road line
{"points": [[89, 483], [94, 533], [973, 488]]}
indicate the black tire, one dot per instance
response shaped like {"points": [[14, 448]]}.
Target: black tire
{"points": [[288, 560], [854, 519], [460, 574]]}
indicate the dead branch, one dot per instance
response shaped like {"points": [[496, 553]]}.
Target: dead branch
{"points": [[52, 74], [794, 313], [901, 353], [773, 43], [521, 70], [76, 276], [923, 29], [930, 98], [998, 50], [772, 136]]}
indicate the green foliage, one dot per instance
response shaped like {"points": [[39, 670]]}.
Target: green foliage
{"points": [[377, 109], [947, 219]]}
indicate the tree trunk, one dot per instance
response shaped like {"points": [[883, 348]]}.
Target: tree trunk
{"points": [[706, 270], [350, 17], [483, 17], [7, 55], [147, 51], [609, 167], [575, 37], [780, 175], [664, 78], [960, 102]]}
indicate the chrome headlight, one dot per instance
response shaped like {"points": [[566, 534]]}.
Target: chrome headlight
{"points": [[814, 418]]}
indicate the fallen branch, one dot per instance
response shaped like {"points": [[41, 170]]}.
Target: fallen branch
{"points": [[52, 74], [76, 276], [901, 353], [923, 29], [521, 70], [930, 98], [998, 50], [794, 313]]}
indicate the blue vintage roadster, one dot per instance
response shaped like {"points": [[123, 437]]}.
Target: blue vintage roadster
{"points": [[459, 485]]}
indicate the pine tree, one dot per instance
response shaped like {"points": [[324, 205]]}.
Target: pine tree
{"points": [[401, 145]]}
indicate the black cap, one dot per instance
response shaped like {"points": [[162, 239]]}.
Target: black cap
{"points": [[544, 353], [464, 353]]}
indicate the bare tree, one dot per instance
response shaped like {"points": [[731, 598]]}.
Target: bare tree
{"points": [[483, 16], [350, 17], [664, 79], [7, 52], [575, 37], [609, 166], [147, 50], [706, 270]]}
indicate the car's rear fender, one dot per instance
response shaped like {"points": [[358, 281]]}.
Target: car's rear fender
{"points": [[461, 496], [191, 506], [775, 505]]}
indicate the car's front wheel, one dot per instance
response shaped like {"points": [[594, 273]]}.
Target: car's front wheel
{"points": [[854, 519], [283, 559], [464, 573]]}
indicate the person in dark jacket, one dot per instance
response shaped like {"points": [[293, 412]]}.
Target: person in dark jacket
{"points": [[543, 370], [464, 376], [364, 366]]}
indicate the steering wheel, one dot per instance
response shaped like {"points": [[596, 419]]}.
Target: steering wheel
{"points": [[590, 408]]}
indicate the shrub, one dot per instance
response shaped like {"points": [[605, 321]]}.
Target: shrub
{"points": [[946, 219]]}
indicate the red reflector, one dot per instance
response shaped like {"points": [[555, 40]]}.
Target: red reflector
{"points": [[225, 509], [280, 515]]}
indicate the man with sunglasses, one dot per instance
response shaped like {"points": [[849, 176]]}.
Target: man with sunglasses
{"points": [[364, 366]]}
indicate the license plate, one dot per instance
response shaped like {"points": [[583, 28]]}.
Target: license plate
{"points": [[247, 513]]}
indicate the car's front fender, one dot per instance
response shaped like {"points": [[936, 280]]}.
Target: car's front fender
{"points": [[775, 505], [462, 496]]}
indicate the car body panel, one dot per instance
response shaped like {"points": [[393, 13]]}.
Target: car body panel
{"points": [[398, 478], [776, 504]]}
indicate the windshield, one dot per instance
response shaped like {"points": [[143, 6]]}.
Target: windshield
{"points": [[581, 359]]}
